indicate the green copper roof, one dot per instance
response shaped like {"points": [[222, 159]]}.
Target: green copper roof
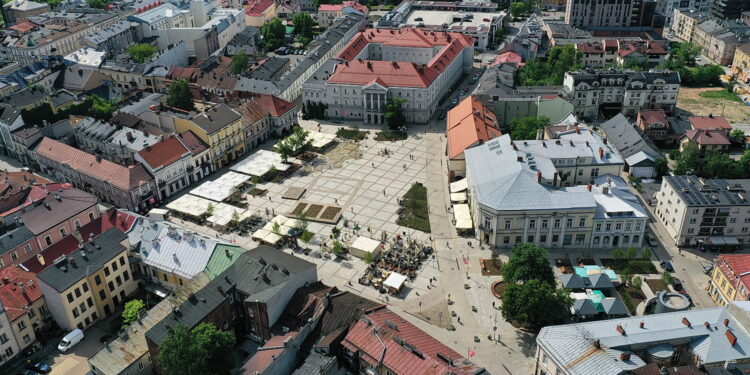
{"points": [[224, 256]]}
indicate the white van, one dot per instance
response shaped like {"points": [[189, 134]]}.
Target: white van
{"points": [[70, 340]]}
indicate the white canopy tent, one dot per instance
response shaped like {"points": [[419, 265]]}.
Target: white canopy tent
{"points": [[459, 186], [458, 197], [394, 282], [364, 245], [232, 179], [266, 236], [223, 213], [190, 205], [320, 140], [462, 215], [213, 191], [259, 163]]}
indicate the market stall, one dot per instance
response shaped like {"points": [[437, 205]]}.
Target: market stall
{"points": [[458, 197], [266, 236], [190, 205], [260, 163], [320, 140], [459, 186], [394, 282], [363, 245], [462, 216]]}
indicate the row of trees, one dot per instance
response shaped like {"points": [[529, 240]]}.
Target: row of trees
{"points": [[273, 33], [715, 164], [531, 300], [550, 72], [682, 60], [314, 110]]}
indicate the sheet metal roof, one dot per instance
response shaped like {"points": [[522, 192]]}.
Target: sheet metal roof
{"points": [[626, 138]]}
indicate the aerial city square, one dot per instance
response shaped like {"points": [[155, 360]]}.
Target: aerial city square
{"points": [[375, 187]]}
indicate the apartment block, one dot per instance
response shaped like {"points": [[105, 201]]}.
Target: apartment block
{"points": [[25, 306], [602, 13], [730, 279], [741, 63]]}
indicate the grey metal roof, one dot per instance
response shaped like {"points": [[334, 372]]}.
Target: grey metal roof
{"points": [[572, 281], [132, 139], [101, 36], [60, 206], [12, 239], [216, 118], [626, 138], [614, 307], [600, 281], [573, 346], [95, 129], [584, 306], [63, 274], [696, 191]]}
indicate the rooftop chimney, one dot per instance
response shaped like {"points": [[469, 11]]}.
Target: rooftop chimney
{"points": [[642, 324], [625, 356], [686, 322], [731, 337], [621, 330], [539, 176], [601, 153]]}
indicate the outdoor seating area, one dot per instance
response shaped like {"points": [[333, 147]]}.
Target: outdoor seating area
{"points": [[401, 256], [276, 229], [259, 163], [222, 188], [320, 141], [462, 217]]}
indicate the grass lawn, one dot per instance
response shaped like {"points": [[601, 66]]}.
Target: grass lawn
{"points": [[634, 266], [414, 210], [351, 133], [389, 135], [721, 94], [656, 285], [631, 297]]}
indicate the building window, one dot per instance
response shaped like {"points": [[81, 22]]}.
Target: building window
{"points": [[77, 224], [127, 277], [91, 216], [569, 223], [21, 325], [78, 292], [607, 227], [82, 306], [70, 297], [3, 338], [582, 222], [567, 239], [26, 339], [106, 271], [114, 266], [507, 224], [506, 240], [598, 227], [62, 232], [594, 172], [48, 240], [9, 352], [75, 312], [98, 280], [85, 287], [618, 226], [89, 301], [111, 286], [26, 248], [102, 296], [557, 223], [118, 280], [532, 224], [545, 223], [13, 256], [122, 260], [580, 238]]}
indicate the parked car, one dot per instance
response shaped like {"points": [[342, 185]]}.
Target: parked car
{"points": [[677, 284], [41, 368], [70, 340], [708, 268], [667, 266], [651, 240]]}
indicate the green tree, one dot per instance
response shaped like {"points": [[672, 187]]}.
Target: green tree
{"points": [[204, 350], [140, 52], [303, 25], [631, 253], [737, 135], [97, 4], [666, 278], [273, 33], [210, 209], [618, 254], [235, 217], [535, 304], [133, 309], [276, 228], [100, 108], [528, 262], [526, 127], [517, 10], [637, 282], [687, 161], [179, 95], [551, 71], [284, 148], [661, 166], [299, 140], [499, 35], [743, 165], [394, 113], [718, 165], [338, 248], [682, 56], [240, 62]]}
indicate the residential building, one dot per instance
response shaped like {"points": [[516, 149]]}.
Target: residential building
{"points": [[247, 40], [26, 137], [741, 63], [252, 295], [125, 187], [327, 13], [379, 64], [57, 215], [621, 346], [612, 91], [19, 189], [654, 124], [115, 38], [114, 143], [169, 256], [256, 122], [258, 12], [87, 285], [16, 246], [201, 158], [710, 122], [399, 347], [170, 162], [685, 22], [667, 8], [728, 9], [8, 345], [286, 9], [468, 124], [719, 39], [608, 53], [586, 305], [708, 214], [601, 13], [10, 121], [218, 126], [283, 114], [640, 156], [24, 305], [729, 279], [20, 10], [707, 140], [532, 191]]}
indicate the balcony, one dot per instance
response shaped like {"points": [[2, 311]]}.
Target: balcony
{"points": [[485, 228]]}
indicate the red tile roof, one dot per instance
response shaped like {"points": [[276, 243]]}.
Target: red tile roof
{"points": [[122, 177], [735, 267], [193, 142], [469, 123], [47, 257], [408, 350], [111, 219], [653, 116], [590, 47], [188, 74], [398, 74], [23, 27], [340, 7], [164, 152], [19, 289], [273, 105], [508, 57], [36, 193], [267, 354], [256, 8], [709, 122], [707, 137]]}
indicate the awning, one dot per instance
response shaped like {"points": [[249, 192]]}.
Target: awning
{"points": [[719, 241], [157, 289], [463, 216], [459, 186], [395, 280], [731, 241], [458, 197]]}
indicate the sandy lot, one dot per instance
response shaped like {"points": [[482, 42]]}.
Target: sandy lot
{"points": [[689, 100]]}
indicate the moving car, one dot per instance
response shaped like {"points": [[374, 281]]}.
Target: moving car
{"points": [[70, 340]]}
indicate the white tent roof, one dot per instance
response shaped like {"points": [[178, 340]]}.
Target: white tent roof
{"points": [[458, 197], [395, 280], [320, 140], [190, 205], [232, 179], [459, 185], [266, 236], [365, 244], [223, 213], [213, 191], [259, 163], [463, 216], [285, 224]]}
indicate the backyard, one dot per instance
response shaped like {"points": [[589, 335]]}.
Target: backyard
{"points": [[631, 297], [705, 101]]}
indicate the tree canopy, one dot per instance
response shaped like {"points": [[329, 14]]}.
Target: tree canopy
{"points": [[551, 71], [293, 144], [273, 33], [132, 310], [98, 4], [204, 350], [737, 135], [240, 62], [303, 25], [687, 161], [394, 113], [535, 304], [682, 60], [517, 9], [528, 262], [141, 52], [179, 95], [526, 127]]}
